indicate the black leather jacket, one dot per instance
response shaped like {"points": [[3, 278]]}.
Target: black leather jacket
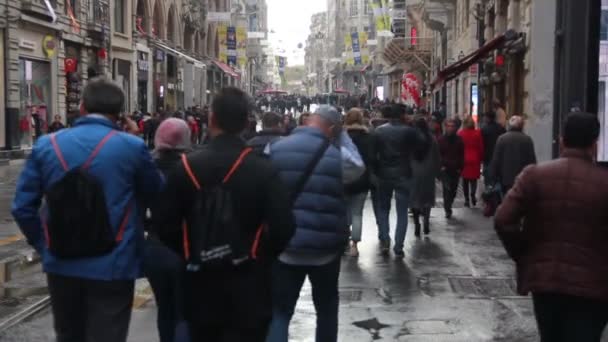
{"points": [[391, 149]]}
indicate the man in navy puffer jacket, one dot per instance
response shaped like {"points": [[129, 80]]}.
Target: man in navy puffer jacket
{"points": [[321, 220]]}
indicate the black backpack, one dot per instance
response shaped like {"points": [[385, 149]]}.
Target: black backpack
{"points": [[78, 223], [213, 239]]}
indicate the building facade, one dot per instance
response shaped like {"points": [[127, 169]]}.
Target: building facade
{"points": [[164, 54]]}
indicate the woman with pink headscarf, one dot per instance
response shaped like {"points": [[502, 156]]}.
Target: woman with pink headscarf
{"points": [[163, 264]]}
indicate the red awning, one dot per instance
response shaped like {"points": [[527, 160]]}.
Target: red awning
{"points": [[227, 69], [455, 69]]}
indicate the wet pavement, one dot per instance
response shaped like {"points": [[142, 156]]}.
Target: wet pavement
{"points": [[454, 285]]}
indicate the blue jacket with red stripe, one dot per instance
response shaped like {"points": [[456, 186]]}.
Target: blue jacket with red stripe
{"points": [[124, 168]]}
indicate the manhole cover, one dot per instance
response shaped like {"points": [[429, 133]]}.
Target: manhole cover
{"points": [[484, 287]]}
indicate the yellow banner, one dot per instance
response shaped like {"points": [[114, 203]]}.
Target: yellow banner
{"points": [[222, 34], [348, 48], [364, 48], [241, 45]]}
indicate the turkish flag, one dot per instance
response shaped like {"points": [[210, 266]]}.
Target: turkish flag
{"points": [[71, 64]]}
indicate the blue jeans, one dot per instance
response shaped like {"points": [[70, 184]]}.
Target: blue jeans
{"points": [[287, 283], [385, 196], [356, 203]]}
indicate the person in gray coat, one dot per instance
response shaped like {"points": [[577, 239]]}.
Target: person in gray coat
{"points": [[514, 151], [426, 165]]}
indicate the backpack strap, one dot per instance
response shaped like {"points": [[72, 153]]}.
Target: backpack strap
{"points": [[124, 222], [64, 164], [236, 164], [98, 148], [188, 169]]}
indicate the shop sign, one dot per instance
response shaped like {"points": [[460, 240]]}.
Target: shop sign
{"points": [[143, 65], [473, 69], [49, 46], [159, 55]]}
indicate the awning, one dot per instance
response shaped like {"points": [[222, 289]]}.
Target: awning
{"points": [[197, 63], [455, 69], [226, 68]]}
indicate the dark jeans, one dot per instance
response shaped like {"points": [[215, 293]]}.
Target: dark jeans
{"points": [[449, 181], [287, 283], [374, 197], [469, 187], [87, 310], [164, 270], [563, 318], [204, 333], [385, 196]]}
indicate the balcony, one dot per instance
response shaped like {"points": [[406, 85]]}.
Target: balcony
{"points": [[38, 8], [99, 16], [416, 52]]}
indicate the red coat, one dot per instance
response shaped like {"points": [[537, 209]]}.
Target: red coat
{"points": [[473, 153]]}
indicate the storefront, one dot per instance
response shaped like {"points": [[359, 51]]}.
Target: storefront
{"points": [[37, 85], [159, 80], [73, 81], [143, 68], [121, 72]]}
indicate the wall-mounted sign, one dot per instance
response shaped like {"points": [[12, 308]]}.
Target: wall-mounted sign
{"points": [[159, 55], [49, 46], [214, 17], [27, 44]]}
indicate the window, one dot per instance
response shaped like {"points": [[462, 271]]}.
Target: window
{"points": [[354, 8], [353, 29], [604, 25], [70, 8], [119, 16], [367, 7]]}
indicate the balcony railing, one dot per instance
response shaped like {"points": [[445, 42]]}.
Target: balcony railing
{"points": [[38, 7], [99, 15]]}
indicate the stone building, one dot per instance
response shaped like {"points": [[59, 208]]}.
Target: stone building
{"points": [[316, 56]]}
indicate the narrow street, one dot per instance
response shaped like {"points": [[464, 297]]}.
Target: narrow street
{"points": [[454, 285]]}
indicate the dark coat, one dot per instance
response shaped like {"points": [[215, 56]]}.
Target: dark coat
{"points": [[263, 138], [361, 139], [514, 151], [451, 149], [259, 197], [561, 247], [320, 209], [425, 173], [490, 133], [391, 150]]}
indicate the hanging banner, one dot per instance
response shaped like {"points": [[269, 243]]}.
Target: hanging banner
{"points": [[364, 43], [231, 46], [382, 18], [356, 48], [241, 45], [411, 89], [222, 34], [348, 48]]}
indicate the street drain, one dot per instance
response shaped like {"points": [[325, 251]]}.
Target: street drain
{"points": [[484, 287]]}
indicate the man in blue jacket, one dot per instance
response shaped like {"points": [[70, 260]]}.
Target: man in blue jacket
{"points": [[321, 219], [91, 296]]}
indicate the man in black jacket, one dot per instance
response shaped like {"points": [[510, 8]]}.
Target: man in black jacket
{"points": [[514, 151], [233, 303], [391, 147], [271, 130], [490, 133]]}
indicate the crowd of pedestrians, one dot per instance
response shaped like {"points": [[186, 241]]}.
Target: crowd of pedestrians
{"points": [[227, 222]]}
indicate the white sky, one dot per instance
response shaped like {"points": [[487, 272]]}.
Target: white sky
{"points": [[290, 20]]}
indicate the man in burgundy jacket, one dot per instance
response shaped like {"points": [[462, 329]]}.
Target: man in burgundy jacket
{"points": [[561, 250]]}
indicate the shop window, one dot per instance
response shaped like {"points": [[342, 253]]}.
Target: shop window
{"points": [[604, 25], [35, 101], [119, 16]]}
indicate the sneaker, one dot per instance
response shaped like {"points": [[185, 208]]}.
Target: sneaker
{"points": [[399, 253], [354, 251], [474, 201]]}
